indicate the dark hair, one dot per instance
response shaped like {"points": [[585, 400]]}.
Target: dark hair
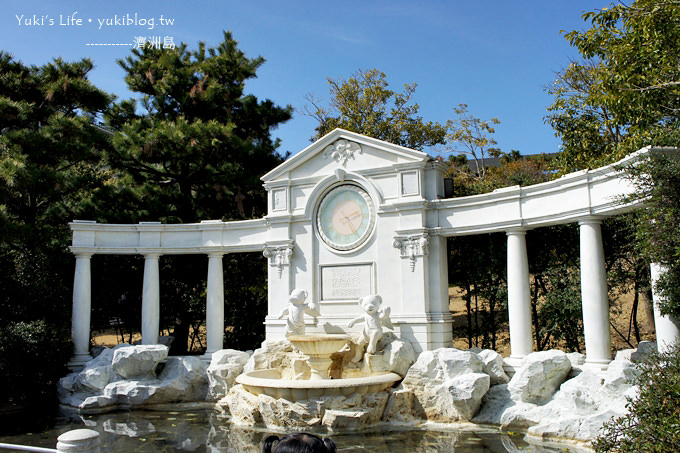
{"points": [[298, 443]]}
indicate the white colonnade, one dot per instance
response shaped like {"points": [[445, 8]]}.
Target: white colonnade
{"points": [[594, 299], [151, 305]]}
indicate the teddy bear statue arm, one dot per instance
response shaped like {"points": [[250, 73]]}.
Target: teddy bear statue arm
{"points": [[283, 313], [385, 317], [355, 320]]}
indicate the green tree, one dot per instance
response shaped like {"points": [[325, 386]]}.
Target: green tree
{"points": [[624, 97], [194, 149], [470, 136], [50, 170], [658, 186], [365, 104], [626, 93]]}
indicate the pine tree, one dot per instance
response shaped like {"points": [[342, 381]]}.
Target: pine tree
{"points": [[194, 149]]}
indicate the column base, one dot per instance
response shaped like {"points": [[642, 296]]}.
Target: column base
{"points": [[511, 364], [77, 362], [596, 365], [207, 357]]}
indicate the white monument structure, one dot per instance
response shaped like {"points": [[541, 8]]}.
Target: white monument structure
{"points": [[352, 216]]}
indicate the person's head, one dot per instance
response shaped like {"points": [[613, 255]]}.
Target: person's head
{"points": [[298, 443]]}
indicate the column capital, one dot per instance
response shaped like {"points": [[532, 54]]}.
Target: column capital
{"points": [[152, 255], [412, 246], [279, 255], [83, 254], [219, 254], [591, 220], [516, 231]]}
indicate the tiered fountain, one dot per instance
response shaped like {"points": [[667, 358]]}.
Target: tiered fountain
{"points": [[319, 348]]}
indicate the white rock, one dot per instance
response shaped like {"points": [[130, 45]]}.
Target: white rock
{"points": [[578, 428], [182, 379], [576, 358], [129, 393], [619, 377], [581, 394], [440, 365], [624, 354], [95, 379], [243, 406], [271, 355], [399, 406], [494, 403], [643, 351], [138, 361], [345, 420], [539, 376], [459, 398], [225, 366], [493, 366], [399, 356]]}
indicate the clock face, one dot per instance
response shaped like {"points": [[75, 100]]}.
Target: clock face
{"points": [[346, 217]]}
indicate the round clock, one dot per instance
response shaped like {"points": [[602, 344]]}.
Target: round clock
{"points": [[345, 217]]}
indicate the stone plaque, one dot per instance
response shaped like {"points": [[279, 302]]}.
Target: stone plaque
{"points": [[346, 282], [409, 183], [279, 199]]}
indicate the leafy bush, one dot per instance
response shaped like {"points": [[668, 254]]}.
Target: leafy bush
{"points": [[653, 422], [32, 359]]}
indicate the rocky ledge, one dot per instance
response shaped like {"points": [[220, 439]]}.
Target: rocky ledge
{"points": [[550, 395]]}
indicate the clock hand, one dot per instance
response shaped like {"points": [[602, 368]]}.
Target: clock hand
{"points": [[349, 222]]}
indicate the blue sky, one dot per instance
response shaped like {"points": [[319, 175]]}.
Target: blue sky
{"points": [[496, 56]]}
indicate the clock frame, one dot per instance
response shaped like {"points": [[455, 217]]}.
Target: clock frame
{"points": [[345, 217]]}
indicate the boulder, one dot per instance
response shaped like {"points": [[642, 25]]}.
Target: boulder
{"points": [[225, 366], [398, 357], [96, 378], [495, 402], [576, 358], [448, 384], [440, 365], [620, 376], [643, 351], [539, 376], [493, 366], [138, 361], [272, 354], [182, 379], [399, 406], [243, 406]]}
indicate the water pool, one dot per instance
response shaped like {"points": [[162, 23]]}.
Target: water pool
{"points": [[205, 431]]}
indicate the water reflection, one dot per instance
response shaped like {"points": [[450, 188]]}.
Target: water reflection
{"points": [[206, 431]]}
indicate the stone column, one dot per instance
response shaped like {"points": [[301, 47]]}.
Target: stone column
{"points": [[594, 297], [150, 300], [667, 332], [519, 297], [214, 308], [82, 307]]}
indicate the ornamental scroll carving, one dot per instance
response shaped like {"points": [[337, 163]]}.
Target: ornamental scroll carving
{"points": [[342, 150], [412, 247], [278, 256]]}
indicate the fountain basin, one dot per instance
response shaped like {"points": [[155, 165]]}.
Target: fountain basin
{"points": [[319, 349], [319, 345], [269, 382]]}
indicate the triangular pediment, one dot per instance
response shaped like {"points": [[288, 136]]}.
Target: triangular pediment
{"points": [[347, 150]]}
